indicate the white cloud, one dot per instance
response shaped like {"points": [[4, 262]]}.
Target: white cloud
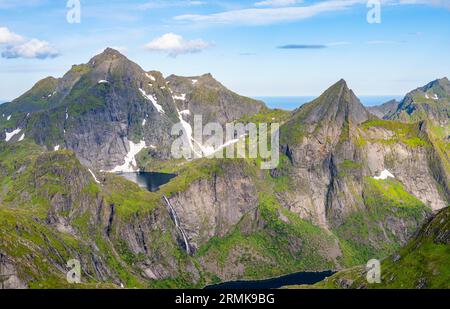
{"points": [[277, 2], [8, 37], [175, 45], [32, 49]]}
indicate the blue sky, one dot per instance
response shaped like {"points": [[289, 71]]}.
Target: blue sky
{"points": [[256, 48]]}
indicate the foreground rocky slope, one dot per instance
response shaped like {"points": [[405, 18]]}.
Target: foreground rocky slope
{"points": [[422, 263]]}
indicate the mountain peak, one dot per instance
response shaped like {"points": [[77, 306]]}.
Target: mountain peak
{"points": [[342, 82], [108, 55], [112, 52], [338, 103], [438, 84]]}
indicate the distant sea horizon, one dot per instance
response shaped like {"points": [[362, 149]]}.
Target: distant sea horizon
{"points": [[292, 102]]}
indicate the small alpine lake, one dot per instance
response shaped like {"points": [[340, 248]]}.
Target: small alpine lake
{"points": [[148, 180]]}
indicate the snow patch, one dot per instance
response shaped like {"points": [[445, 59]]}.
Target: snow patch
{"points": [[57, 147], [384, 175], [162, 87], [11, 134], [145, 120], [103, 81], [22, 137], [204, 150], [150, 76], [130, 164], [181, 98], [194, 81], [426, 96], [93, 175], [187, 132], [209, 150], [9, 117], [435, 97], [152, 99]]}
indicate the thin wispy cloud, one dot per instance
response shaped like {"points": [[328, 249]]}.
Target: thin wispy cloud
{"points": [[11, 4], [161, 4], [313, 46], [261, 16], [277, 3], [268, 12]]}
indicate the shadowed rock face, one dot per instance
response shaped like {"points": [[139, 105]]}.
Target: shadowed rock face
{"points": [[97, 108], [384, 109]]}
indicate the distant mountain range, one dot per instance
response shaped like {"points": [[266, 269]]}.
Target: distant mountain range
{"points": [[353, 183]]}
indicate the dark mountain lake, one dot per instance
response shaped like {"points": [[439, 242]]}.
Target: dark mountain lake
{"points": [[148, 180], [275, 283]]}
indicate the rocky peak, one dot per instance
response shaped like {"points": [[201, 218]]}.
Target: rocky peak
{"points": [[108, 55], [441, 86], [430, 102], [338, 103]]}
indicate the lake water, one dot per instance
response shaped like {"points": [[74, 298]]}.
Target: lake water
{"points": [[275, 283], [291, 103], [148, 180]]}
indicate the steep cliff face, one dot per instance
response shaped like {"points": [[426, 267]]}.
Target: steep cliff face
{"points": [[212, 207], [318, 138]]}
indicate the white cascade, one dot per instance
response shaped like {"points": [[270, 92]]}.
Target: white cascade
{"points": [[177, 224]]}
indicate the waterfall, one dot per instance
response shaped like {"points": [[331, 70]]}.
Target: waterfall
{"points": [[174, 216]]}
